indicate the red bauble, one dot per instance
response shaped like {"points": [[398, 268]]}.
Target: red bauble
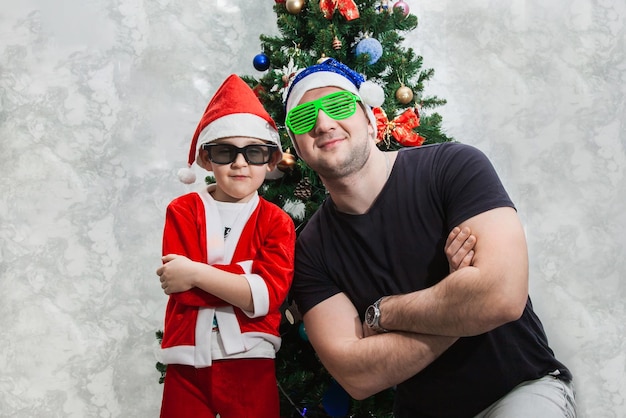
{"points": [[258, 90]]}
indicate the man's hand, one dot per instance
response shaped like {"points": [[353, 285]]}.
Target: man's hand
{"points": [[177, 273], [460, 248]]}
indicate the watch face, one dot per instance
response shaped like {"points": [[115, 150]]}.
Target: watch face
{"points": [[369, 316]]}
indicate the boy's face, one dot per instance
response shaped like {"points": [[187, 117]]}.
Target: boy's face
{"points": [[238, 180]]}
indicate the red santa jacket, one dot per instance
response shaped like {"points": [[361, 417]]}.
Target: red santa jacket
{"points": [[260, 246]]}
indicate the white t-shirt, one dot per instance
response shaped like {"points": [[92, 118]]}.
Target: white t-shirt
{"points": [[229, 212]]}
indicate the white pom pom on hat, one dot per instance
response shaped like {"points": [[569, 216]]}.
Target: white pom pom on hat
{"points": [[234, 110], [372, 94], [186, 175]]}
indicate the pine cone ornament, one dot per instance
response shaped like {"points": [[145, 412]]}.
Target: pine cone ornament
{"points": [[303, 189]]}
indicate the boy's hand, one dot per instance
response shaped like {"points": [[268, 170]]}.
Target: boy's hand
{"points": [[176, 274], [460, 248]]}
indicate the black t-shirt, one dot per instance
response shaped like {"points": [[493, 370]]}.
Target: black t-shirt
{"points": [[397, 247]]}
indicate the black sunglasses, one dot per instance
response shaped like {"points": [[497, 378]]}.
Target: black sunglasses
{"points": [[256, 154]]}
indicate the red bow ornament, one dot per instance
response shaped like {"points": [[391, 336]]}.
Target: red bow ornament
{"points": [[347, 8], [401, 128]]}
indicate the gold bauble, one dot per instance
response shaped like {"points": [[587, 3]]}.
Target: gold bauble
{"points": [[404, 94], [288, 162], [294, 6]]}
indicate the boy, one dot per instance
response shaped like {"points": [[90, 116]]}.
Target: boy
{"points": [[227, 267]]}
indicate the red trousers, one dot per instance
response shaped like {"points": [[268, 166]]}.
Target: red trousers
{"points": [[241, 388]]}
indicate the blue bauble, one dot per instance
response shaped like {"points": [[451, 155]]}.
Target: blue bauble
{"points": [[371, 47], [261, 62], [302, 332], [336, 401]]}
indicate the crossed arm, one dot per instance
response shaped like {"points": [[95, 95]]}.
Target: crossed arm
{"points": [[179, 274], [471, 300], [187, 278]]}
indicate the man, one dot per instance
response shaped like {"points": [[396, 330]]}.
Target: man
{"points": [[379, 303]]}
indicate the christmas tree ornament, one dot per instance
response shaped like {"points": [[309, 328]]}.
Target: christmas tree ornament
{"points": [[294, 6], [287, 72], [287, 163], [401, 128], [403, 7], [347, 8], [261, 62], [304, 189], [322, 58], [302, 332], [382, 6], [259, 90], [337, 43], [371, 47], [336, 401], [404, 94]]}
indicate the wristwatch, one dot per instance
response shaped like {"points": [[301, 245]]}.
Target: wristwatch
{"points": [[372, 317]]}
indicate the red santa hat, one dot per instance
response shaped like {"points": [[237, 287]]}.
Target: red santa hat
{"points": [[234, 110]]}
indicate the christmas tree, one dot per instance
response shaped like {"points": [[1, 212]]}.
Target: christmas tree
{"points": [[367, 36]]}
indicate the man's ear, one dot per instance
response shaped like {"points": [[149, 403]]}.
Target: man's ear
{"points": [[370, 130], [203, 160]]}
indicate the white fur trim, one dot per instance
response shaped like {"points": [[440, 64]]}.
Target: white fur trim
{"points": [[260, 296], [229, 328], [258, 287], [204, 326]]}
